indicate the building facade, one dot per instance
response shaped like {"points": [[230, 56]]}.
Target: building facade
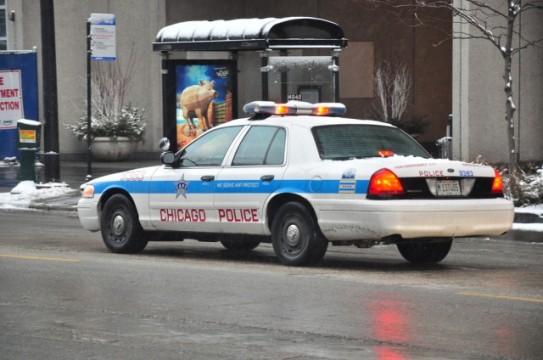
{"points": [[479, 125], [374, 36]]}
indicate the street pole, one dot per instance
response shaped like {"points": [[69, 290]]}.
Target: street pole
{"points": [[89, 99], [50, 104]]}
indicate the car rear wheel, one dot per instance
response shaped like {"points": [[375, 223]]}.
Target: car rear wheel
{"points": [[120, 227], [295, 237], [241, 244], [429, 251]]}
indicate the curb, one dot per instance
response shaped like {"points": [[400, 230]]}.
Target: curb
{"points": [[67, 202], [523, 235], [528, 218], [52, 207]]}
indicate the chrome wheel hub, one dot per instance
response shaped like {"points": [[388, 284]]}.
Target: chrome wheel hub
{"points": [[118, 225], [293, 235]]}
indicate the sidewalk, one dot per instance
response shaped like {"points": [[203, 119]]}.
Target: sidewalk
{"points": [[72, 174], [528, 224]]}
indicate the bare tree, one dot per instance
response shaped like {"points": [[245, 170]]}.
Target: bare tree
{"points": [[381, 93], [493, 21], [392, 90], [401, 91], [111, 81]]}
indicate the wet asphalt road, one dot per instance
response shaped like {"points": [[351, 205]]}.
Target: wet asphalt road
{"points": [[65, 297]]}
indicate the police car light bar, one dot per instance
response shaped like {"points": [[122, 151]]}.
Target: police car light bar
{"points": [[294, 108]]}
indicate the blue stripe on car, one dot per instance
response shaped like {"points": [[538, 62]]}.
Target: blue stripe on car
{"points": [[230, 186]]}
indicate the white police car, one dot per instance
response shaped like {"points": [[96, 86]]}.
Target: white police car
{"points": [[301, 177]]}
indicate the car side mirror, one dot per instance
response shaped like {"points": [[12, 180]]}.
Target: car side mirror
{"points": [[167, 158]]}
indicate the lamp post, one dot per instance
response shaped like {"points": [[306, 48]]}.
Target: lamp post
{"points": [[50, 104]]}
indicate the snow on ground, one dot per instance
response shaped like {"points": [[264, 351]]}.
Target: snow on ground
{"points": [[9, 161], [531, 209], [27, 191], [528, 227]]}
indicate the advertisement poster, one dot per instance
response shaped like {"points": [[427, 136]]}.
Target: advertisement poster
{"points": [[18, 96], [11, 98], [204, 97]]}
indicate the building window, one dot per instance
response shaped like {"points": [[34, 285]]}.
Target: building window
{"points": [[3, 26]]}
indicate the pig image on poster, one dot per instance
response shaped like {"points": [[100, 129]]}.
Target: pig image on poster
{"points": [[194, 102]]}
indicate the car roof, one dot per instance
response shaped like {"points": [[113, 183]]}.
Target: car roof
{"points": [[307, 121]]}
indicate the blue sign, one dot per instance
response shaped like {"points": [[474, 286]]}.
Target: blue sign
{"points": [[18, 96]]}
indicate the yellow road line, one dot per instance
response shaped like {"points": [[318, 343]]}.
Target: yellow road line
{"points": [[503, 297], [28, 257]]}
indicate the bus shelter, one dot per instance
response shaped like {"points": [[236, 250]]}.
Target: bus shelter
{"points": [[201, 93]]}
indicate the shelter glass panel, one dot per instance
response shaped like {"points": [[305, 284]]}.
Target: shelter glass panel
{"points": [[303, 78]]}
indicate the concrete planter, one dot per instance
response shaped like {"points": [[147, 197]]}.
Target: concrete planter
{"points": [[118, 149]]}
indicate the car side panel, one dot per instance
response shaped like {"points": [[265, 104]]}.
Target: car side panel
{"points": [[182, 199], [241, 193]]}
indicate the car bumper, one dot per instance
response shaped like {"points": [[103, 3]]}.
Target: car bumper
{"points": [[87, 210], [373, 220]]}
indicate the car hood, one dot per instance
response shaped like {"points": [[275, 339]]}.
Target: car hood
{"points": [[140, 174]]}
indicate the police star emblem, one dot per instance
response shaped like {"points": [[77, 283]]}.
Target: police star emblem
{"points": [[181, 187]]}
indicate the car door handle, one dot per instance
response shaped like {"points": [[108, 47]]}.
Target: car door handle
{"points": [[267, 177], [207, 178]]}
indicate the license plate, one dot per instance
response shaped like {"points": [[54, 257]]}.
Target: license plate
{"points": [[448, 188]]}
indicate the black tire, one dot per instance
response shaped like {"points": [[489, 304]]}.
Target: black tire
{"points": [[120, 227], [295, 237], [241, 244], [428, 251]]}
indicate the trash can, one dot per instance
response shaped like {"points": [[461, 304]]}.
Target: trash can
{"points": [[444, 145], [28, 143]]}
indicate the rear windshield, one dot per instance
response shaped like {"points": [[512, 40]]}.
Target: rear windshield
{"points": [[343, 142]]}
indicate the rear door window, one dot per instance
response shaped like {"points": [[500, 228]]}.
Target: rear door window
{"points": [[262, 145]]}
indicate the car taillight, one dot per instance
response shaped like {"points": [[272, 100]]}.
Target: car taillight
{"points": [[385, 184], [497, 184]]}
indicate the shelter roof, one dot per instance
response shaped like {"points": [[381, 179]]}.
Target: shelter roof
{"points": [[251, 35]]}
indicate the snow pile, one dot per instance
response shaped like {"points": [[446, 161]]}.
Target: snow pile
{"points": [[533, 209], [532, 187], [9, 161], [528, 227], [27, 192]]}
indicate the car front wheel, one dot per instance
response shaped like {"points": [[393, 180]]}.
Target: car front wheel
{"points": [[120, 227], [295, 236], [428, 251]]}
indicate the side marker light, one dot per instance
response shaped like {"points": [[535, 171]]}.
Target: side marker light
{"points": [[88, 192]]}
